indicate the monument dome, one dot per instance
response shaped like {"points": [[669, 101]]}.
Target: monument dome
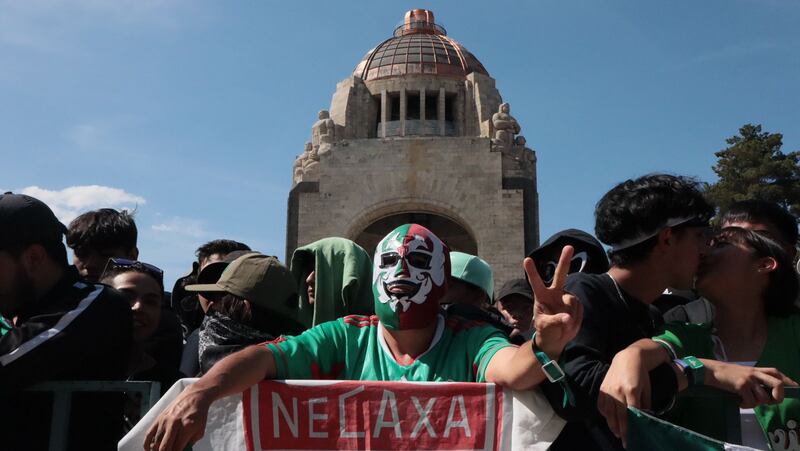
{"points": [[419, 46]]}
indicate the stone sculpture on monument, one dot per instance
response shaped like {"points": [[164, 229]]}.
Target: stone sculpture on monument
{"points": [[323, 131], [505, 127]]}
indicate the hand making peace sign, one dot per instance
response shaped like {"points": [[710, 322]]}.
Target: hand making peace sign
{"points": [[557, 315]]}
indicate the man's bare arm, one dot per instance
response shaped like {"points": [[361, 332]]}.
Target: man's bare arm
{"points": [[515, 367], [184, 421]]}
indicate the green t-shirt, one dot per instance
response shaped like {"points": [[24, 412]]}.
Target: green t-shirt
{"points": [[353, 348], [781, 351]]}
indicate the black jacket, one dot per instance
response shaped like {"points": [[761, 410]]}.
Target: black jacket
{"points": [[610, 324], [77, 331], [190, 360]]}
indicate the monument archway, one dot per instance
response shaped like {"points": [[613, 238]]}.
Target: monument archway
{"points": [[456, 236]]}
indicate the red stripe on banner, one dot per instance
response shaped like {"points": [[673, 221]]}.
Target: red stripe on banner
{"points": [[373, 415], [248, 425], [498, 414]]}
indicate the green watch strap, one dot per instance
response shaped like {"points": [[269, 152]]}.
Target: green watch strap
{"points": [[553, 372], [696, 371]]}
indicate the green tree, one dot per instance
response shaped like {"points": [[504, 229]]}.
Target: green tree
{"points": [[753, 167]]}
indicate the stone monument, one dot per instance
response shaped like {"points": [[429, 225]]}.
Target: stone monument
{"points": [[419, 133]]}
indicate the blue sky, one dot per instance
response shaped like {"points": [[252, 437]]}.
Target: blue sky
{"points": [[193, 111]]}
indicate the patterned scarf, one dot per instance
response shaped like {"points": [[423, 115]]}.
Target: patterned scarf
{"points": [[221, 335]]}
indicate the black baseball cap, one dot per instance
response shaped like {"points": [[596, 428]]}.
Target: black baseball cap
{"points": [[25, 220], [515, 286]]}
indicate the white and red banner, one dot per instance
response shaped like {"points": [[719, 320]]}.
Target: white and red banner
{"points": [[330, 415]]}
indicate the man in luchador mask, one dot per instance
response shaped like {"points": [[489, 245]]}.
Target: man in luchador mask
{"points": [[407, 339]]}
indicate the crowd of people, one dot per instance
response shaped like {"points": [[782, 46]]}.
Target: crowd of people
{"points": [[678, 299]]}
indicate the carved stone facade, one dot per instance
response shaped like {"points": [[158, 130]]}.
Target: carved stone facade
{"points": [[433, 144]]}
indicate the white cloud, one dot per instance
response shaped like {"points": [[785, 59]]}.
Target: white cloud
{"points": [[194, 228], [74, 200]]}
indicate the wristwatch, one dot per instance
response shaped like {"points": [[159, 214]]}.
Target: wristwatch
{"points": [[693, 368], [550, 367], [553, 372]]}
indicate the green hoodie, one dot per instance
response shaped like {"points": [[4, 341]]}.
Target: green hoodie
{"points": [[343, 280]]}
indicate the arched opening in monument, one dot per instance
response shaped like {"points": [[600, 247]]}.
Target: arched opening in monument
{"points": [[453, 234]]}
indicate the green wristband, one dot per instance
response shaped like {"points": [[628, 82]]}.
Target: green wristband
{"points": [[553, 372], [550, 367], [696, 371]]}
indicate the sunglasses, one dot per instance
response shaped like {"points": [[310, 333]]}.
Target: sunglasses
{"points": [[576, 264], [154, 271]]}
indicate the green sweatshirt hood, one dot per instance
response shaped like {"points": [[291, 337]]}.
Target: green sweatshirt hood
{"points": [[343, 280]]}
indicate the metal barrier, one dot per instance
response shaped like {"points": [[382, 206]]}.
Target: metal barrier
{"points": [[62, 401]]}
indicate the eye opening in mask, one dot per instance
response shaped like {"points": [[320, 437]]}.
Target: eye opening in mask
{"points": [[419, 260], [389, 259], [576, 264]]}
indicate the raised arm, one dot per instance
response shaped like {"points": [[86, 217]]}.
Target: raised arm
{"points": [[184, 421], [557, 319]]}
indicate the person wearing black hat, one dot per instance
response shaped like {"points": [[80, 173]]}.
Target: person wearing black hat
{"points": [[515, 298], [63, 328], [588, 257], [515, 302]]}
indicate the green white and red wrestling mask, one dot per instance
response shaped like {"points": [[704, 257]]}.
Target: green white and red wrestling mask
{"points": [[409, 276]]}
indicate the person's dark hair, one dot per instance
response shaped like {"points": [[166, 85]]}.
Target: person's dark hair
{"points": [[113, 271], [640, 206], [255, 316], [219, 247], [765, 212], [102, 229], [782, 290]]}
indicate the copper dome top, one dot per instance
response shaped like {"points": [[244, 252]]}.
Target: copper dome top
{"points": [[419, 46]]}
